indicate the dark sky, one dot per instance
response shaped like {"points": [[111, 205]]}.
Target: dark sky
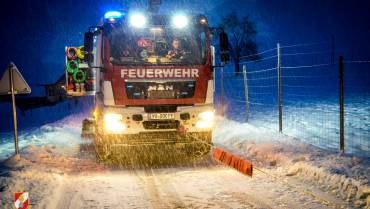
{"points": [[34, 33]]}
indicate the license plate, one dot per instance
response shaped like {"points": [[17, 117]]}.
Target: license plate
{"points": [[161, 116]]}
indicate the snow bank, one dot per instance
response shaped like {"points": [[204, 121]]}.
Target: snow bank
{"points": [[342, 175], [65, 132], [41, 169]]}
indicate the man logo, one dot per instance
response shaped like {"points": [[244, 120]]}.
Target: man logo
{"points": [[21, 200]]}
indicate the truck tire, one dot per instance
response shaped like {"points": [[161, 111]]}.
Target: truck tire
{"points": [[102, 150]]}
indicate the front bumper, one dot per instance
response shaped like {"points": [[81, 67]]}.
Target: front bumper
{"points": [[146, 125]]}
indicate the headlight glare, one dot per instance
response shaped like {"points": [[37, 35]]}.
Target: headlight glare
{"points": [[113, 123], [180, 21], [204, 124], [207, 115], [138, 20]]}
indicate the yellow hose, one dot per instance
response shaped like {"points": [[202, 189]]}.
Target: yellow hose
{"points": [[80, 52]]}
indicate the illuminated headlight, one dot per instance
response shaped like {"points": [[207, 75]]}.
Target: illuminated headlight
{"points": [[113, 123], [204, 124], [206, 119], [138, 20], [207, 116], [180, 21]]}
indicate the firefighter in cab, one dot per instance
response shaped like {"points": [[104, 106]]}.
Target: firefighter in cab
{"points": [[176, 52]]}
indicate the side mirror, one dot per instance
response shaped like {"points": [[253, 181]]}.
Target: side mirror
{"points": [[88, 46], [224, 46]]}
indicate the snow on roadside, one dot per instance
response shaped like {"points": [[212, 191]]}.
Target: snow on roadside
{"points": [[64, 132], [344, 176], [42, 169]]}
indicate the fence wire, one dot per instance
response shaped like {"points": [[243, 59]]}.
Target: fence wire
{"points": [[357, 106], [310, 96]]}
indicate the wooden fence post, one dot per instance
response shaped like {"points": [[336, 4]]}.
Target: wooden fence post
{"points": [[341, 103], [246, 92], [279, 89], [222, 92]]}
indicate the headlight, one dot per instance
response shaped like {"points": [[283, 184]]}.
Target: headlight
{"points": [[205, 119], [207, 116], [180, 21], [204, 124], [138, 20], [113, 123]]}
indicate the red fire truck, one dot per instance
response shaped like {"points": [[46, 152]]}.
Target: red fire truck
{"points": [[152, 79]]}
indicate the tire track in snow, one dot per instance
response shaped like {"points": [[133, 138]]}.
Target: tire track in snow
{"points": [[172, 196], [167, 178], [151, 189]]}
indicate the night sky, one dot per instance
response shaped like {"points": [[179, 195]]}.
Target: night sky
{"points": [[34, 33]]}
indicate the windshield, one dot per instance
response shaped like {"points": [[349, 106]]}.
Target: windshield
{"points": [[157, 46]]}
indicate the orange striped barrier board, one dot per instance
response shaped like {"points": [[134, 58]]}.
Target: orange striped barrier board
{"points": [[233, 161]]}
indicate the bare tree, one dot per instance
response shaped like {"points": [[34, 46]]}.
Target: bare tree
{"points": [[242, 33]]}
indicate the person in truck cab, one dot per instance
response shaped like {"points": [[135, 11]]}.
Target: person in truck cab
{"points": [[128, 51], [176, 52]]}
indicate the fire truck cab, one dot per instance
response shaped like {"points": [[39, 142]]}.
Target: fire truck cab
{"points": [[152, 81]]}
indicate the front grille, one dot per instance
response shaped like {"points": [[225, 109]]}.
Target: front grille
{"points": [[160, 90], [163, 124]]}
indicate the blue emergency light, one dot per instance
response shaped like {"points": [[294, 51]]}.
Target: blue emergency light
{"points": [[113, 15]]}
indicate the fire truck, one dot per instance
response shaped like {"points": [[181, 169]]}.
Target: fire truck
{"points": [[152, 78]]}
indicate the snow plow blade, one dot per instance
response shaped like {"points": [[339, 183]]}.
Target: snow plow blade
{"points": [[233, 161]]}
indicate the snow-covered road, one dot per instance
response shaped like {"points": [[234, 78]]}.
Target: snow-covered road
{"points": [[212, 187], [56, 181], [63, 174]]}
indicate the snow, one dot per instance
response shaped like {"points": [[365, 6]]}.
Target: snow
{"points": [[346, 176], [65, 132], [60, 171]]}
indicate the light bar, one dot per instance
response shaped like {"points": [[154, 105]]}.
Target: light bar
{"points": [[113, 15], [180, 21], [138, 20]]}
